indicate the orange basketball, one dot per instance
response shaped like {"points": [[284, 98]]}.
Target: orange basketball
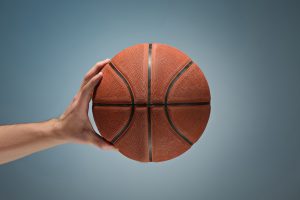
{"points": [[153, 102]]}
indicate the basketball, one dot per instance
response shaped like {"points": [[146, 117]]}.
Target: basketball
{"points": [[153, 102]]}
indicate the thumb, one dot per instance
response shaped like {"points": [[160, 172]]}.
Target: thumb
{"points": [[100, 142]]}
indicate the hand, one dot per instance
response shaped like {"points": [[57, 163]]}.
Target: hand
{"points": [[19, 140], [74, 123]]}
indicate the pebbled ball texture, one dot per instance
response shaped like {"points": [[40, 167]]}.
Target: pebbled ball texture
{"points": [[153, 102]]}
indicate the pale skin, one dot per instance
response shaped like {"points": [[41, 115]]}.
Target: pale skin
{"points": [[73, 126]]}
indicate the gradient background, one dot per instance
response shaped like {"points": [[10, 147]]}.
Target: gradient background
{"points": [[249, 52]]}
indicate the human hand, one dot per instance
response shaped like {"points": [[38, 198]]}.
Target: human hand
{"points": [[19, 140], [74, 124]]}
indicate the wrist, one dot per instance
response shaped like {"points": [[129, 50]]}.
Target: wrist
{"points": [[56, 130]]}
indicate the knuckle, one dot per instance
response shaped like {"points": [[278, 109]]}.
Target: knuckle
{"points": [[86, 77], [99, 63], [95, 78]]}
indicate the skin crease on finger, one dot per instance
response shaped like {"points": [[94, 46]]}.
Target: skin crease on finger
{"points": [[73, 126]]}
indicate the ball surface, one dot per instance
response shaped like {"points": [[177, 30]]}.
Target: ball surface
{"points": [[153, 102]]}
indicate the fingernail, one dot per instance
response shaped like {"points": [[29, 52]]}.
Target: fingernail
{"points": [[101, 74]]}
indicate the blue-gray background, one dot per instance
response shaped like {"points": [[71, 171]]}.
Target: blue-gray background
{"points": [[249, 52]]}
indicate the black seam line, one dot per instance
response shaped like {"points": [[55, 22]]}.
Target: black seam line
{"points": [[122, 131], [166, 101], [149, 102], [176, 78], [124, 79], [149, 72], [175, 129], [152, 104], [149, 134]]}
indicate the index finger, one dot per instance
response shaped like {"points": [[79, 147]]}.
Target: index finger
{"points": [[93, 71]]}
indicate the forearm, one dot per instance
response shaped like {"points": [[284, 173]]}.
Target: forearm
{"points": [[19, 140]]}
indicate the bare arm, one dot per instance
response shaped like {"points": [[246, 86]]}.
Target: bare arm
{"points": [[73, 126]]}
